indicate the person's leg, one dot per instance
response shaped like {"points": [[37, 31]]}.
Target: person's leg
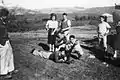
{"points": [[115, 54], [76, 53], [68, 54], [100, 42], [53, 49], [50, 47], [66, 33], [99, 39], [105, 42]]}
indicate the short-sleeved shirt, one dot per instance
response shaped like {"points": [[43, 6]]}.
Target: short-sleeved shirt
{"points": [[103, 27], [52, 24]]}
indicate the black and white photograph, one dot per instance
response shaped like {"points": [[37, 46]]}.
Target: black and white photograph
{"points": [[59, 39]]}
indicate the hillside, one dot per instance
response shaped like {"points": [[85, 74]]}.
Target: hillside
{"points": [[71, 10], [61, 10], [96, 10], [100, 10]]}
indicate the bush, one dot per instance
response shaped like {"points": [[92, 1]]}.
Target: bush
{"points": [[94, 22], [80, 23]]}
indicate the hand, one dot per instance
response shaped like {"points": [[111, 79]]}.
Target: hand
{"points": [[47, 29], [105, 34], [1, 46], [52, 33]]}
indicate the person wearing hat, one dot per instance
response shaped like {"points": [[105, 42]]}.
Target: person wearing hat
{"points": [[6, 53], [51, 27]]}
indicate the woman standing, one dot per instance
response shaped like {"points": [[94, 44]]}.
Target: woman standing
{"points": [[51, 27], [117, 40]]}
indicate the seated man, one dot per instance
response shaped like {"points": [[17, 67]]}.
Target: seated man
{"points": [[57, 56], [73, 47], [60, 41]]}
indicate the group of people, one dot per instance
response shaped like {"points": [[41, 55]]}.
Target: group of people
{"points": [[62, 44], [103, 31], [53, 27]]}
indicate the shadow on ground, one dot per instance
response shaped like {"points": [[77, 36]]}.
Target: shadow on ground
{"points": [[101, 54], [44, 46]]}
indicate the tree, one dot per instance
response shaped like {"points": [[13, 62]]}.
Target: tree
{"points": [[77, 17]]}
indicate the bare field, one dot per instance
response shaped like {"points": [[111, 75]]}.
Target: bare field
{"points": [[36, 68]]}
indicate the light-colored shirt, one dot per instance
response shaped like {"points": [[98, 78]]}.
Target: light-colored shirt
{"points": [[103, 27], [52, 24], [78, 47]]}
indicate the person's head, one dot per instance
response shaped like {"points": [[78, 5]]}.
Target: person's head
{"points": [[64, 16], [53, 16], [103, 18], [4, 12], [72, 38], [118, 23]]}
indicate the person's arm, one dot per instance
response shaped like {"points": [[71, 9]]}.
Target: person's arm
{"points": [[98, 31], [55, 29], [59, 43], [68, 24], [47, 26], [108, 28]]}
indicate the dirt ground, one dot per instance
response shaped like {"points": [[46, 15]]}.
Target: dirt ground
{"points": [[87, 68]]}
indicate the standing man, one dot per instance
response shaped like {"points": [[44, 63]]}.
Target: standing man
{"points": [[103, 30], [65, 25]]}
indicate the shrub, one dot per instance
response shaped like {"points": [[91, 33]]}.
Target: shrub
{"points": [[94, 22]]}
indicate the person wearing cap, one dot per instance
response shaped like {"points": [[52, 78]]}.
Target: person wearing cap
{"points": [[51, 27], [6, 53], [65, 25]]}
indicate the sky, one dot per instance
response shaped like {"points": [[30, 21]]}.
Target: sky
{"points": [[40, 4]]}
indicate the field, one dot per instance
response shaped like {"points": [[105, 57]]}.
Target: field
{"points": [[87, 68]]}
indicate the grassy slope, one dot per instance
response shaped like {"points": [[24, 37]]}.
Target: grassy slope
{"points": [[35, 68]]}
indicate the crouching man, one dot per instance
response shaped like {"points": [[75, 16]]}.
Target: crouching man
{"points": [[73, 47]]}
